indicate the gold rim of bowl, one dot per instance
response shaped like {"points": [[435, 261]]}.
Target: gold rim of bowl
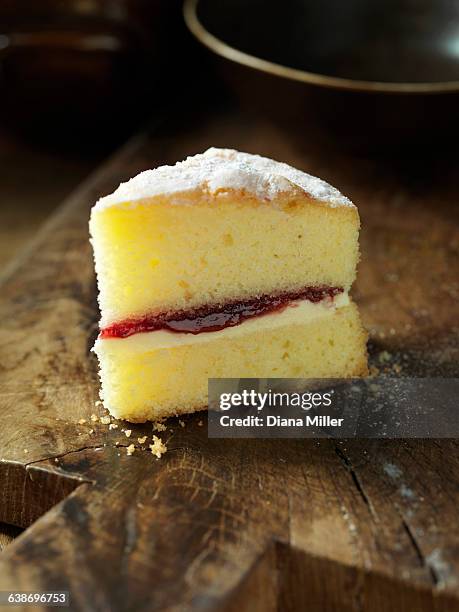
{"points": [[239, 57]]}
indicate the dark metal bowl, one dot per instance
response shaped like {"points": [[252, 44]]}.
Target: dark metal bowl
{"points": [[369, 73]]}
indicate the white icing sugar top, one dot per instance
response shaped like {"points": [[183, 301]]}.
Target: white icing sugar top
{"points": [[220, 169]]}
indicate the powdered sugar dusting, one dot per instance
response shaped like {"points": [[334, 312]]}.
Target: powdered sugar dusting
{"points": [[220, 169]]}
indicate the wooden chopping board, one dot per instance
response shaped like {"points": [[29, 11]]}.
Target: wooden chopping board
{"points": [[247, 524]]}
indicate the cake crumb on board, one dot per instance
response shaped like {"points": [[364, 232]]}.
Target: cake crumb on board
{"points": [[158, 448], [130, 449]]}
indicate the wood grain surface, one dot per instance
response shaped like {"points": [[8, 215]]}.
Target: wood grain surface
{"points": [[225, 524]]}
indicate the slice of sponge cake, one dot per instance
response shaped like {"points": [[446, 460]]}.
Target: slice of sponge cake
{"points": [[224, 265]]}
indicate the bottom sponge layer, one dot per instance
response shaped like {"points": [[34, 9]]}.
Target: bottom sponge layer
{"points": [[153, 375]]}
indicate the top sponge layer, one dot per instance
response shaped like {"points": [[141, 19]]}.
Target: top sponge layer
{"points": [[222, 169], [220, 227]]}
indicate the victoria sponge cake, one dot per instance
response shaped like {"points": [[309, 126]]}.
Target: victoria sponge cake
{"points": [[224, 265]]}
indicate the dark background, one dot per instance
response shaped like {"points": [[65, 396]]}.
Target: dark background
{"points": [[77, 78]]}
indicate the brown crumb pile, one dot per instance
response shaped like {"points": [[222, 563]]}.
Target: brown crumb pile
{"points": [[158, 448]]}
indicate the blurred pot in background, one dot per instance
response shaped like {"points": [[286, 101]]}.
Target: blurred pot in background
{"points": [[77, 69], [380, 75]]}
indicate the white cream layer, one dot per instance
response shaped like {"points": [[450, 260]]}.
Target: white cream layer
{"points": [[297, 313]]}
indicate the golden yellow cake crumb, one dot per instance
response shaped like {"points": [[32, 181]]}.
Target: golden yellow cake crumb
{"points": [[127, 433], [384, 357], [105, 420], [94, 418], [130, 449], [158, 448], [142, 440]]}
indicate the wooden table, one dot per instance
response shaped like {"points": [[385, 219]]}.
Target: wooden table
{"points": [[247, 524]]}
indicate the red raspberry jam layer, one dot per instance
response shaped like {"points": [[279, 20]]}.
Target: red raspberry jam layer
{"points": [[216, 318]]}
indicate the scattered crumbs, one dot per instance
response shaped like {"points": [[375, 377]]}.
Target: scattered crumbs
{"points": [[116, 443], [127, 433], [384, 356], [91, 431], [158, 448], [56, 460], [113, 426], [374, 371], [130, 449], [94, 418], [441, 567], [26, 450], [158, 426], [79, 433], [397, 368], [200, 423], [105, 420], [81, 421], [406, 492], [98, 403], [142, 440], [182, 423], [392, 470], [392, 331]]}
